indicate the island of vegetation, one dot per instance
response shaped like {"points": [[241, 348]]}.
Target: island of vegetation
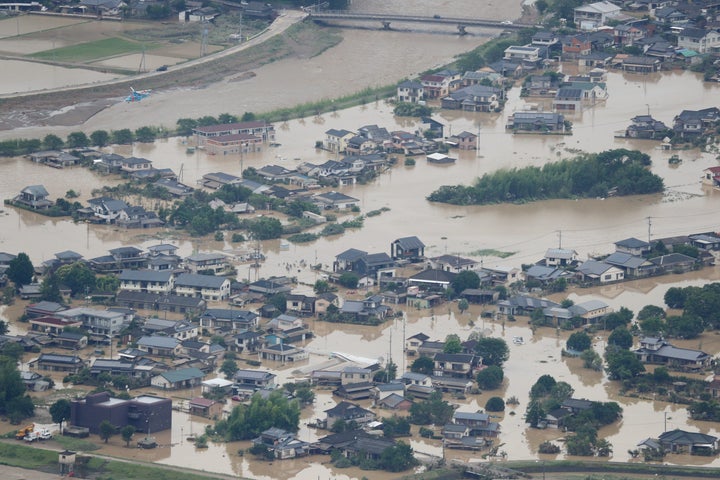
{"points": [[613, 172]]}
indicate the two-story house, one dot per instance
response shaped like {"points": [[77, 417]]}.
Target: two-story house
{"points": [[207, 287], [147, 281]]}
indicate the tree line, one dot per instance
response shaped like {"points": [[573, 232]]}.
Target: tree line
{"points": [[613, 172]]}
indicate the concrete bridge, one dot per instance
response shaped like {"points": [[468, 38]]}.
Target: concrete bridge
{"points": [[386, 20]]}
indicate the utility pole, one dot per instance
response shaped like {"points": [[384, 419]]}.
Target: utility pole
{"points": [[559, 238], [649, 220]]}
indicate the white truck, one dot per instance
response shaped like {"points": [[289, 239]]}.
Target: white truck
{"points": [[42, 434]]}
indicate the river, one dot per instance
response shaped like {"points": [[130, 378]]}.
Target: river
{"points": [[589, 226]]}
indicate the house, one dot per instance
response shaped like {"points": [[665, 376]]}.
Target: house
{"points": [[395, 401], [711, 176], [101, 323], [407, 248], [336, 140], [146, 281], [656, 350], [463, 141], [364, 310], [682, 441], [254, 379], [335, 200], [560, 257], [568, 98], [643, 65], [479, 424], [671, 16], [204, 407], [626, 35], [459, 365], [71, 340], [216, 180], [545, 275], [207, 287], [633, 246], [247, 341], [265, 131], [594, 15], [175, 188], [646, 127], [414, 342], [135, 164], [475, 98], [410, 91], [166, 303], [674, 262], [698, 40], [236, 143], [692, 123], [542, 122], [432, 279], [632, 265], [53, 362], [523, 305], [181, 330], [596, 271], [283, 352], [160, 345], [282, 444], [348, 412], [107, 209], [324, 301], [438, 85], [178, 379], [575, 46], [146, 413], [262, 10], [207, 263], [52, 325], [228, 319], [34, 197]]}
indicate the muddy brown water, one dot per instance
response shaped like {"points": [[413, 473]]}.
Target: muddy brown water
{"points": [[589, 226]]}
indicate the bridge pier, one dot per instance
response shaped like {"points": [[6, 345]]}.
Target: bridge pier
{"points": [[386, 24], [461, 30]]}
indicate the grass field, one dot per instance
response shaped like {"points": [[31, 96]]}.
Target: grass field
{"points": [[90, 51]]}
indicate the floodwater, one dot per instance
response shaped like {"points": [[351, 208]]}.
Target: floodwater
{"points": [[589, 226]]}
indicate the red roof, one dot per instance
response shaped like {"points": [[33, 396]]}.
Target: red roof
{"points": [[202, 402], [714, 170]]}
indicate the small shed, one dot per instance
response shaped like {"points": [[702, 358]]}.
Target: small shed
{"points": [[66, 459], [205, 407]]}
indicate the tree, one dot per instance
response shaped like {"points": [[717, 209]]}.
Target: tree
{"points": [[650, 311], [52, 142], [621, 338], [107, 430], [618, 319], [122, 137], [494, 351], [3, 327], [20, 270], [99, 138], [396, 426], [14, 403], [50, 289], [623, 365], [349, 280], [452, 344], [229, 367], [265, 228], [490, 378], [432, 411], [185, 126], [60, 411], [77, 140], [535, 414], [77, 276], [495, 404], [321, 286], [397, 458], [675, 297], [464, 280], [684, 326], [145, 135], [579, 341], [248, 421], [424, 365], [542, 386], [591, 359], [127, 433], [463, 305], [387, 374]]}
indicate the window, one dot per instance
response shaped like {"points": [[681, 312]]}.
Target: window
{"points": [[608, 277]]}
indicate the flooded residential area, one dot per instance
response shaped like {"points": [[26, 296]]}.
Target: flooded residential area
{"points": [[501, 241]]}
